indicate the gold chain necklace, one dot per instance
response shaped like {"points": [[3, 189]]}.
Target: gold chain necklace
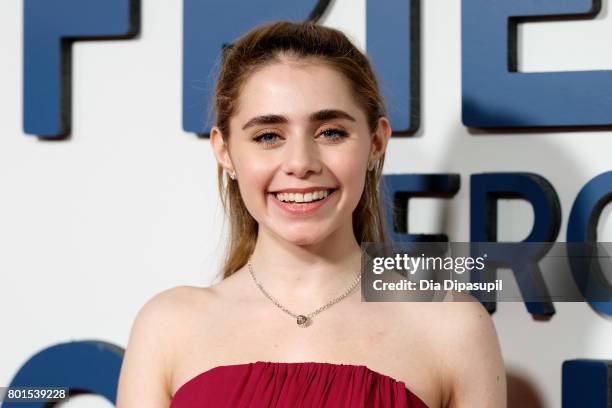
{"points": [[302, 320]]}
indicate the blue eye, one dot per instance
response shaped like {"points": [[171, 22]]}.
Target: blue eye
{"points": [[334, 134], [330, 134], [266, 138]]}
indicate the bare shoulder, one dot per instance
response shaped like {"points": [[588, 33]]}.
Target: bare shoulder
{"points": [[145, 378], [473, 373], [167, 309], [176, 298], [448, 349], [169, 313]]}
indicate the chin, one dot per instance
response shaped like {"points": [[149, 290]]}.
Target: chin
{"points": [[304, 240], [301, 238]]}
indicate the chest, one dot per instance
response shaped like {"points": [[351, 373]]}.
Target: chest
{"points": [[362, 337]]}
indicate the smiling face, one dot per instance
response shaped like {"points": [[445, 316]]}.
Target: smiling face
{"points": [[300, 146]]}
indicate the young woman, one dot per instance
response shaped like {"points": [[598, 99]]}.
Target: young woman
{"points": [[300, 140]]}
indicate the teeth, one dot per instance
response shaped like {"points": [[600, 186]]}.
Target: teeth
{"points": [[302, 198]]}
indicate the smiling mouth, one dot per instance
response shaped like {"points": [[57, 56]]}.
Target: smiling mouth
{"points": [[303, 198]]}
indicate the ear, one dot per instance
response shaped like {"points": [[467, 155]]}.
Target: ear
{"points": [[380, 139], [220, 149]]}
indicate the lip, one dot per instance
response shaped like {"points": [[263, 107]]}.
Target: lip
{"points": [[303, 208], [302, 190]]}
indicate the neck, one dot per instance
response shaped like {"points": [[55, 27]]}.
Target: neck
{"points": [[306, 276]]}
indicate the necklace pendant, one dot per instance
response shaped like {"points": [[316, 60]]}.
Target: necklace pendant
{"points": [[302, 321]]}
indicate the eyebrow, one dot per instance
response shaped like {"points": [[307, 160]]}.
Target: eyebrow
{"points": [[319, 116]]}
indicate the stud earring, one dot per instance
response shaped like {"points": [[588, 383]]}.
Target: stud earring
{"points": [[372, 165], [232, 175]]}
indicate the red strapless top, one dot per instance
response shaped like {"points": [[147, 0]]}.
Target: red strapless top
{"points": [[290, 385]]}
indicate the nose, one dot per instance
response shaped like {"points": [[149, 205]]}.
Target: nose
{"points": [[301, 156]]}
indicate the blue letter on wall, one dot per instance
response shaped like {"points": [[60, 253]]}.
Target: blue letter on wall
{"points": [[210, 24], [586, 383], [393, 45], [485, 190], [84, 367], [496, 95], [582, 227], [50, 27], [398, 189]]}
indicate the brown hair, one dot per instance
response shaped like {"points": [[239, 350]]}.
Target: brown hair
{"points": [[262, 46]]}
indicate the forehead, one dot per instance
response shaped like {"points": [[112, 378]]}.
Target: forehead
{"points": [[295, 89]]}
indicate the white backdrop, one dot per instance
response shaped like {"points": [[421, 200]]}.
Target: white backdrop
{"points": [[92, 227]]}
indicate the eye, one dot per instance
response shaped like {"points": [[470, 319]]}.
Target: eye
{"points": [[333, 134], [266, 139]]}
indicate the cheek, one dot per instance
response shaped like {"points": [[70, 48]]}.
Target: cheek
{"points": [[253, 177], [350, 169], [350, 156], [252, 167]]}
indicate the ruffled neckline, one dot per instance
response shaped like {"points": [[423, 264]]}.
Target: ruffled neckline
{"points": [[212, 370]]}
